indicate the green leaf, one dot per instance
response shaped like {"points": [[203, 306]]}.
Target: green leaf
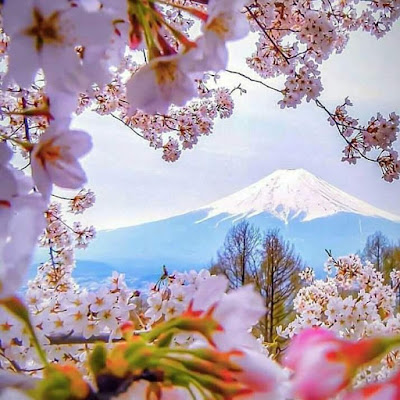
{"points": [[16, 307], [97, 359]]}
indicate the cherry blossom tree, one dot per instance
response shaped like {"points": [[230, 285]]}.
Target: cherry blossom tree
{"points": [[352, 301]]}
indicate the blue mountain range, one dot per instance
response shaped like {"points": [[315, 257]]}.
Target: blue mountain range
{"points": [[310, 213]]}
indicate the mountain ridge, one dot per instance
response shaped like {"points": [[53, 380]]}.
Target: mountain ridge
{"points": [[290, 194]]}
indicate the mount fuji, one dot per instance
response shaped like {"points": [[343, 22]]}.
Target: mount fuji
{"points": [[310, 213], [293, 194]]}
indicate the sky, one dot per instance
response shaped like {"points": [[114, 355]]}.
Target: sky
{"points": [[134, 185]]}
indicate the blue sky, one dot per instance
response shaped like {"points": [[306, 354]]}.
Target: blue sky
{"points": [[133, 184]]}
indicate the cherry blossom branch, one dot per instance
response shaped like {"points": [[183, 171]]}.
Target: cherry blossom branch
{"points": [[61, 197], [330, 255], [16, 130], [26, 124], [253, 80], [23, 144], [25, 167], [127, 125], [78, 339], [338, 125], [51, 251], [264, 30], [320, 105], [64, 223]]}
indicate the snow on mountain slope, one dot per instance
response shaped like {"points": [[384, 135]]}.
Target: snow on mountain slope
{"points": [[292, 193]]}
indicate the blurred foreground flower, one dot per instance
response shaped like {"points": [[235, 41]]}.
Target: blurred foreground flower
{"points": [[323, 364]]}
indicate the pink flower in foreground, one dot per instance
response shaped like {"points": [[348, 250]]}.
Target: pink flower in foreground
{"points": [[265, 377], [323, 364], [388, 390], [236, 313], [55, 159]]}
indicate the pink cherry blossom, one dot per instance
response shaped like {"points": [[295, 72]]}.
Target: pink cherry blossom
{"points": [[323, 364], [43, 31], [266, 378], [224, 23], [54, 159], [162, 82]]}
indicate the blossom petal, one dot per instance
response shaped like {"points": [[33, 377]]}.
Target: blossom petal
{"points": [[69, 175], [23, 61], [16, 13], [78, 142]]}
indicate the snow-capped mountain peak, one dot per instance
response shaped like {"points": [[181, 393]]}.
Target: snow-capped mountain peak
{"points": [[290, 194]]}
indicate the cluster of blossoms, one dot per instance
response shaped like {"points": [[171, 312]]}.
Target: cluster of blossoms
{"points": [[142, 66], [203, 348], [172, 294], [61, 240], [82, 201], [177, 130], [67, 319], [355, 303], [203, 332], [296, 37], [99, 67], [52, 57], [307, 275], [379, 134]]}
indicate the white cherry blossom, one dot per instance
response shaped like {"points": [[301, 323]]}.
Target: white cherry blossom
{"points": [[224, 23], [100, 300], [54, 159], [155, 310], [18, 207], [160, 83], [44, 34]]}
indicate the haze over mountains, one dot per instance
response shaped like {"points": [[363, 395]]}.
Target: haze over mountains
{"points": [[310, 213]]}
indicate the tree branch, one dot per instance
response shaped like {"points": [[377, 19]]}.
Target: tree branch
{"points": [[264, 30], [70, 338], [338, 125], [253, 80]]}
